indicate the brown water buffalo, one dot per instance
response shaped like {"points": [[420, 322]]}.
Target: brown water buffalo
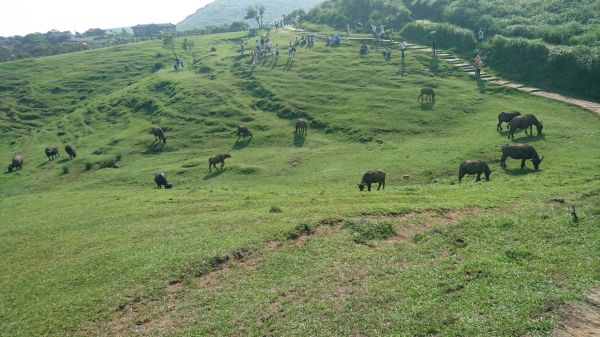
{"points": [[16, 163], [506, 117], [243, 131], [220, 158], [474, 167], [301, 126], [370, 177], [52, 152], [524, 122], [158, 134], [160, 178], [520, 151], [427, 93], [70, 151]]}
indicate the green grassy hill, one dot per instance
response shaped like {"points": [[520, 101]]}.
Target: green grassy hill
{"points": [[281, 242]]}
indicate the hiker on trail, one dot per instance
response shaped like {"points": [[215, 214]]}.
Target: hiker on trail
{"points": [[181, 62], [327, 41], [290, 51], [253, 54], [276, 51], [262, 40], [257, 45], [433, 37], [297, 43], [293, 52], [480, 34], [269, 47], [347, 29], [478, 65], [391, 35], [403, 48], [175, 65], [374, 30]]}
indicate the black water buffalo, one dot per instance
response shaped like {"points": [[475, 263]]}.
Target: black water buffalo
{"points": [[370, 177], [70, 151], [16, 163], [158, 134], [474, 167], [524, 122], [427, 93], [243, 131], [220, 158], [506, 117], [160, 178], [301, 126], [520, 151], [52, 152]]}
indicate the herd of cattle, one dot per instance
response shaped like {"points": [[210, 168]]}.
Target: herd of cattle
{"points": [[514, 119]]}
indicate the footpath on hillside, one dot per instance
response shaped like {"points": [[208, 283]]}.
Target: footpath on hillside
{"points": [[469, 68]]}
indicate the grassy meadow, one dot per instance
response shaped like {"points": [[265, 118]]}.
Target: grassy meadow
{"points": [[281, 242]]}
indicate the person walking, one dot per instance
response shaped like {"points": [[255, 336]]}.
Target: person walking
{"points": [[276, 51], [480, 34], [478, 65], [290, 51], [433, 36], [403, 48]]}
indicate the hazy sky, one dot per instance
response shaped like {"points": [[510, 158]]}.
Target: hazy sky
{"points": [[21, 17]]}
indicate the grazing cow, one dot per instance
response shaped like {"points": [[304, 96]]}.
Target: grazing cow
{"points": [[301, 126], [158, 134], [474, 167], [220, 158], [70, 151], [17, 162], [427, 93], [244, 132], [520, 151], [52, 152], [370, 177], [524, 122], [161, 180], [506, 117]]}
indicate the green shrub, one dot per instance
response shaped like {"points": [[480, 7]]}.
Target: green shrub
{"points": [[448, 36], [365, 232]]}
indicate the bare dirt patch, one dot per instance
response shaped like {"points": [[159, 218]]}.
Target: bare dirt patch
{"points": [[581, 319]]}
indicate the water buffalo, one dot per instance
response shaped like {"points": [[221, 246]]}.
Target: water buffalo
{"points": [[70, 151], [520, 151], [52, 152], [506, 117], [524, 122], [161, 180], [220, 158], [158, 134], [16, 163], [243, 131], [474, 167], [427, 93], [301, 126], [370, 177]]}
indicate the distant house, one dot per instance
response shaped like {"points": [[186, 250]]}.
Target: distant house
{"points": [[95, 32], [153, 29]]}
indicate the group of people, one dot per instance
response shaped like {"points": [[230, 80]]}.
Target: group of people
{"points": [[177, 63]]}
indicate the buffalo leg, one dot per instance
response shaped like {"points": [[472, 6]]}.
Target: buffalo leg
{"points": [[369, 187], [503, 161], [522, 163], [499, 126], [487, 176], [478, 177]]}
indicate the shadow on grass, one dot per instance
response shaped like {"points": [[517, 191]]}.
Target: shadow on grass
{"points": [[154, 148], [214, 173], [503, 133], [528, 139], [299, 139], [241, 143], [402, 68], [434, 64], [426, 106], [64, 160], [288, 65], [519, 171], [481, 85]]}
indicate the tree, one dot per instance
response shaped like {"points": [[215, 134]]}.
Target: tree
{"points": [[256, 12], [168, 42]]}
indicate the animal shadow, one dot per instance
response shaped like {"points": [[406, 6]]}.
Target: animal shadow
{"points": [[426, 106], [504, 133], [241, 143], [214, 173], [299, 139], [154, 148], [520, 172], [64, 160], [528, 139]]}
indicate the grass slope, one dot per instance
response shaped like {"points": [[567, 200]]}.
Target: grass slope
{"points": [[92, 250]]}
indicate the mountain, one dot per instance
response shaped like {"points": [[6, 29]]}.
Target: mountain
{"points": [[227, 11]]}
